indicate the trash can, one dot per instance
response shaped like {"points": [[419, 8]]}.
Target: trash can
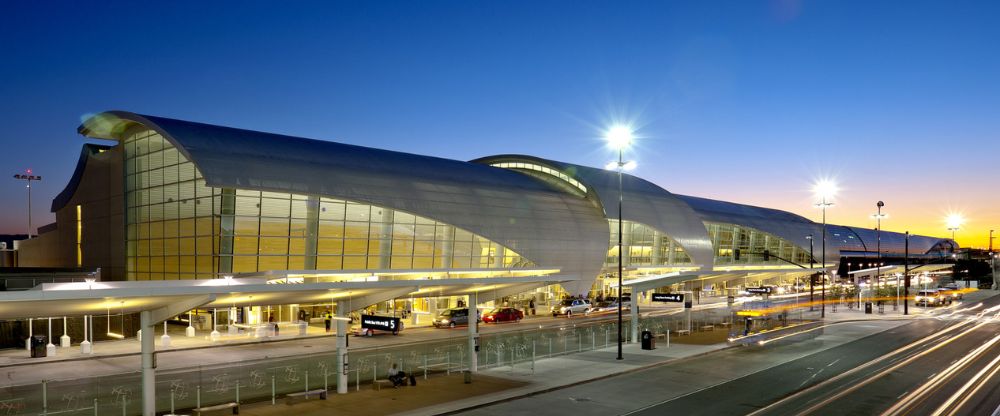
{"points": [[467, 376], [868, 307], [38, 343], [648, 341]]}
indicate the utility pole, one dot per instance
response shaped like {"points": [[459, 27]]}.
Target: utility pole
{"points": [[28, 177], [812, 276], [906, 275]]}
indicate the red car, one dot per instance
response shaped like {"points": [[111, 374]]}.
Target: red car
{"points": [[503, 315]]}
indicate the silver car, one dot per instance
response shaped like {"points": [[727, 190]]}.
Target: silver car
{"points": [[569, 307]]}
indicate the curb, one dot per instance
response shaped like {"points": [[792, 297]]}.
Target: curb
{"points": [[619, 373]]}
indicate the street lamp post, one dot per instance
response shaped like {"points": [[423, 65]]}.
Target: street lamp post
{"points": [[906, 275], [993, 261], [825, 190], [878, 245], [28, 177], [620, 137], [812, 276]]}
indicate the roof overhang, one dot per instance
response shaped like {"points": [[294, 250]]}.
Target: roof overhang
{"points": [[87, 298]]}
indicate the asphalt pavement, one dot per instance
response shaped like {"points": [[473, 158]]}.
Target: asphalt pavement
{"points": [[749, 380]]}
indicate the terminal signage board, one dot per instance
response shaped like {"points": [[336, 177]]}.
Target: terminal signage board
{"points": [[668, 297], [381, 323], [766, 290]]}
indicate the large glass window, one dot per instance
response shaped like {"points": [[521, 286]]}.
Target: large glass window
{"points": [[752, 243], [180, 228], [644, 246]]}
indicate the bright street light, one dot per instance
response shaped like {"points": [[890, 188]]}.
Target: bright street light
{"points": [[825, 190], [619, 137], [954, 221]]}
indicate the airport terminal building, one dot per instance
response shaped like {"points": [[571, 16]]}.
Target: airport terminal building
{"points": [[179, 200]]}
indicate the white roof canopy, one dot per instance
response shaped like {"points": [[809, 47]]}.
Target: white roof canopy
{"points": [[83, 298]]}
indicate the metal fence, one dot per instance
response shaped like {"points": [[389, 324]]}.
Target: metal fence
{"points": [[269, 379]]}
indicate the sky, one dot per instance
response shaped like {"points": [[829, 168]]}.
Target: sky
{"points": [[745, 101]]}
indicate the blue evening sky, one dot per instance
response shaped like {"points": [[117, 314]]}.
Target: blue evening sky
{"points": [[747, 101]]}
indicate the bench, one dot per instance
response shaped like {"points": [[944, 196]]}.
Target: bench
{"points": [[661, 335], [305, 395], [708, 328], [683, 332], [379, 382], [724, 324], [231, 405]]}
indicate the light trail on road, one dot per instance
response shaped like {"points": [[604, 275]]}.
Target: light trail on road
{"points": [[938, 339]]}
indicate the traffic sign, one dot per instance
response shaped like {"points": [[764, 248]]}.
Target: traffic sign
{"points": [[382, 323], [668, 297], [766, 290]]}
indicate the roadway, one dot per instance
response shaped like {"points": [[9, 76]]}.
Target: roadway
{"points": [[945, 364]]}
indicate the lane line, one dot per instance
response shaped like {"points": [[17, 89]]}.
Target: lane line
{"points": [[862, 367]]}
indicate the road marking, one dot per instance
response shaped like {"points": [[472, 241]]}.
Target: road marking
{"points": [[929, 377], [834, 362], [901, 395]]}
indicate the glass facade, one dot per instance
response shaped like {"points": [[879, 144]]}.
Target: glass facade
{"points": [[752, 243], [645, 245], [531, 167], [180, 228]]}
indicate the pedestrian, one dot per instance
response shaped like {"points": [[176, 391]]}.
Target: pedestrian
{"points": [[531, 305], [274, 325], [396, 376], [327, 319]]}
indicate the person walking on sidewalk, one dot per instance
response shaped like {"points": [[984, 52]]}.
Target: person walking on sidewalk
{"points": [[531, 305], [327, 319]]}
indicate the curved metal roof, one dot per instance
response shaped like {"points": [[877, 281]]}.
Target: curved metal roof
{"points": [[895, 243], [537, 220], [786, 225], [643, 202], [89, 149]]}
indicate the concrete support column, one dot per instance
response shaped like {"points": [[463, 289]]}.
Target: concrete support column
{"points": [[189, 331], [657, 247], [165, 339], [634, 313], [498, 256], [214, 336], [64, 340], [312, 231], [473, 331], [342, 360], [148, 365], [385, 234], [50, 348], [31, 333], [85, 346]]}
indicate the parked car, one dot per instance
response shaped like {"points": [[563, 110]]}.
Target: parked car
{"points": [[452, 317], [569, 307], [504, 314], [931, 297]]}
